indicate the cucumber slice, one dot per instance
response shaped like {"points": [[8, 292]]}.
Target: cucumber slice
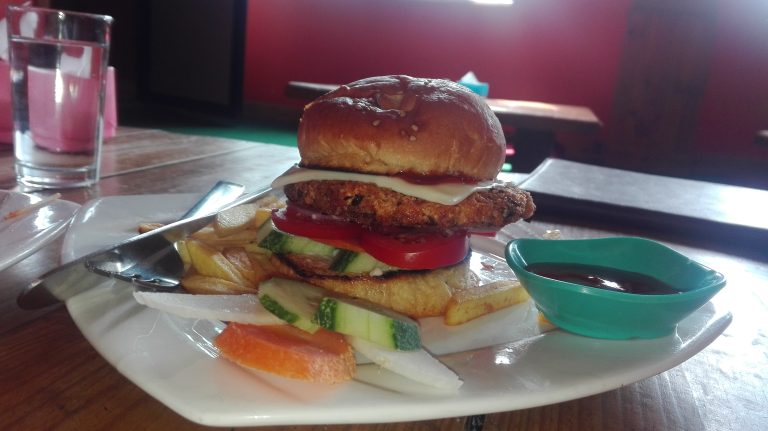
{"points": [[277, 241], [356, 262], [370, 322], [292, 301], [347, 261]]}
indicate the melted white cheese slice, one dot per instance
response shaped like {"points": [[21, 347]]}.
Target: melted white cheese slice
{"points": [[446, 193]]}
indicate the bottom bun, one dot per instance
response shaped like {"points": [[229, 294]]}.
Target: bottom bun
{"points": [[413, 293]]}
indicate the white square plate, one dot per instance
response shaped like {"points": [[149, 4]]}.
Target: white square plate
{"points": [[504, 359]]}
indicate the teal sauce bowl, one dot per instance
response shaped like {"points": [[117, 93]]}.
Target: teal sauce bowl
{"points": [[610, 314]]}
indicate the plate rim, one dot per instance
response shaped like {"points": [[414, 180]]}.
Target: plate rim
{"points": [[490, 404], [42, 237]]}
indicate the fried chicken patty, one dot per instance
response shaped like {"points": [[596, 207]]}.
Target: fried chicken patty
{"points": [[374, 207]]}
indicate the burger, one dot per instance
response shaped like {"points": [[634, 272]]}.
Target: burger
{"points": [[396, 173]]}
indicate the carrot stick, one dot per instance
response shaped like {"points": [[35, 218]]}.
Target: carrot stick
{"points": [[32, 207], [323, 357]]}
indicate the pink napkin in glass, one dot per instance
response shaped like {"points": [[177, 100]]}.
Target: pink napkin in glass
{"points": [[48, 128]]}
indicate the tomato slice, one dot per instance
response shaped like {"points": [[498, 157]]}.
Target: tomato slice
{"points": [[314, 225], [406, 250], [417, 250], [347, 244]]}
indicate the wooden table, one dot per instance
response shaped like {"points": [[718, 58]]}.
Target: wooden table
{"points": [[51, 377]]}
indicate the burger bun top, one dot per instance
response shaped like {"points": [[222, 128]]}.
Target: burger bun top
{"points": [[394, 125]]}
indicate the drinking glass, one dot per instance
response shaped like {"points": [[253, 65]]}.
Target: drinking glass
{"points": [[58, 62]]}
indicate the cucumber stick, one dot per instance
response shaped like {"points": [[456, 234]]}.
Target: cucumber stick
{"points": [[272, 239], [292, 301], [346, 261], [358, 263], [368, 321], [306, 307]]}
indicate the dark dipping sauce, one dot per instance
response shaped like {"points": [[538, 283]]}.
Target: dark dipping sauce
{"points": [[603, 277]]}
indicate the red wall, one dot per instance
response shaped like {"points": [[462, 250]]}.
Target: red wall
{"points": [[560, 51], [545, 50]]}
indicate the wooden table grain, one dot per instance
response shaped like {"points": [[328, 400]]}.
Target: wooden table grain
{"points": [[52, 378]]}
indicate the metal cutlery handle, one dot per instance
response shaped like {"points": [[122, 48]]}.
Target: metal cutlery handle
{"points": [[138, 253], [222, 194]]}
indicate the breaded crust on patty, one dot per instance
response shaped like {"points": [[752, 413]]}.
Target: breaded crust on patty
{"points": [[373, 206]]}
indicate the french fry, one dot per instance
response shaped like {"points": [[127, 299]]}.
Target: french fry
{"points": [[261, 262], [181, 248], [240, 258], [469, 304], [271, 202], [209, 236], [544, 323], [206, 260], [148, 226], [31, 207], [240, 218], [205, 285], [223, 257]]}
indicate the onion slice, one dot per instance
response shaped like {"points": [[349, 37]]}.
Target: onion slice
{"points": [[244, 308], [417, 365]]}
